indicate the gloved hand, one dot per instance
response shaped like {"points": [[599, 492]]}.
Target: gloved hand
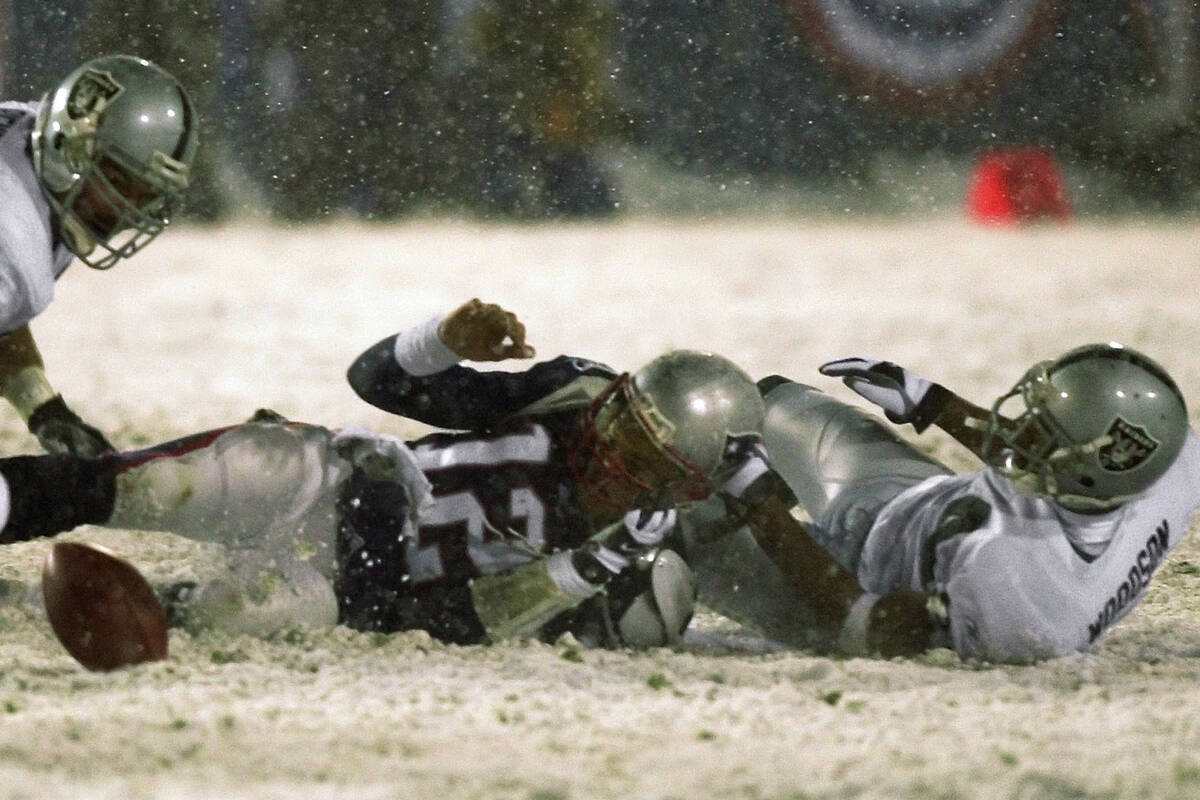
{"points": [[903, 396], [645, 527], [612, 550], [744, 463], [385, 459], [484, 332], [60, 430]]}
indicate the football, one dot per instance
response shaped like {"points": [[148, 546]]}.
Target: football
{"points": [[101, 608]]}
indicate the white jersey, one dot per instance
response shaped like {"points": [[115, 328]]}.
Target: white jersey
{"points": [[30, 259], [1018, 591]]}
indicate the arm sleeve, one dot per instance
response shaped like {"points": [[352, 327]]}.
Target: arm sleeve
{"points": [[459, 397]]}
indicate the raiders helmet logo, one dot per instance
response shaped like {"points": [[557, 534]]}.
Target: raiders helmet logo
{"points": [[91, 93], [1129, 447]]}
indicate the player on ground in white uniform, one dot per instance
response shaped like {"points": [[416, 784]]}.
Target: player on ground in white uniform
{"points": [[544, 504], [1087, 488], [92, 172]]}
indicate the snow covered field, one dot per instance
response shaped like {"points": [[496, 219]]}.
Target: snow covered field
{"points": [[208, 325]]}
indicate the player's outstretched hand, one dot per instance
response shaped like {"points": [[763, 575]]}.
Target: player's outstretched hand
{"points": [[903, 396], [480, 331], [60, 430], [614, 548], [649, 525]]}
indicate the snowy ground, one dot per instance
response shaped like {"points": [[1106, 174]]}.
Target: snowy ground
{"points": [[208, 325]]}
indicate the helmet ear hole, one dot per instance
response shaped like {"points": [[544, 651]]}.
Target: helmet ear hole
{"points": [[1087, 480]]}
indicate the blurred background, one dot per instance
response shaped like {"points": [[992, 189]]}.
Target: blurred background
{"points": [[559, 109]]}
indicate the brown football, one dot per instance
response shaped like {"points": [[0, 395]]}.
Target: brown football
{"points": [[101, 608]]}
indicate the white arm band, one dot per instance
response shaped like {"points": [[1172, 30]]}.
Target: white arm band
{"points": [[420, 350], [562, 571], [750, 471], [853, 639]]}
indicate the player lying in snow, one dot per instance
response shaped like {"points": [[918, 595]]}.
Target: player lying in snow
{"points": [[512, 525], [553, 485], [1088, 487]]}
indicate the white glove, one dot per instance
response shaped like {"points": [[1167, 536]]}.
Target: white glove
{"points": [[642, 528], [385, 458], [649, 528], [903, 396]]}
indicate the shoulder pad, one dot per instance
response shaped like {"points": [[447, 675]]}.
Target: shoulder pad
{"points": [[579, 393], [573, 383]]}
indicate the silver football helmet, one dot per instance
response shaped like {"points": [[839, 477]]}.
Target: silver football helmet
{"points": [[113, 144], [1096, 428], [666, 427]]}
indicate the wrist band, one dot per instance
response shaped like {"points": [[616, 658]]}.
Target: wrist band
{"points": [[750, 471], [566, 577], [420, 351], [853, 637], [27, 390]]}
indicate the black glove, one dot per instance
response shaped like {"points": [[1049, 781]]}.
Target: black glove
{"points": [[60, 430]]}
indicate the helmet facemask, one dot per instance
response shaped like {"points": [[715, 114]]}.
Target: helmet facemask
{"points": [[1032, 450], [110, 213], [623, 453]]}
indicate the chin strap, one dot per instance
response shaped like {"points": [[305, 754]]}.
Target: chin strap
{"points": [[76, 235]]}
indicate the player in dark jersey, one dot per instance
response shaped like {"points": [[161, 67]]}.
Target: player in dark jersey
{"points": [[541, 508]]}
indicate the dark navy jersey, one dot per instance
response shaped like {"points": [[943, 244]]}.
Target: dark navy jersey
{"points": [[501, 498], [502, 487], [461, 398]]}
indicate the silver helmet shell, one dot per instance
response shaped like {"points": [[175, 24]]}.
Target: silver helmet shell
{"points": [[1098, 426], [692, 402], [118, 134]]}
